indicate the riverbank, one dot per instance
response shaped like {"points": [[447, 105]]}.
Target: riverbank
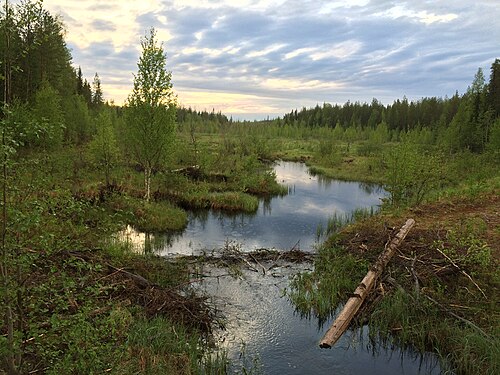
{"points": [[440, 291]]}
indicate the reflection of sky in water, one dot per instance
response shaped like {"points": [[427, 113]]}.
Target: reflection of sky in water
{"points": [[285, 343], [279, 223], [258, 315]]}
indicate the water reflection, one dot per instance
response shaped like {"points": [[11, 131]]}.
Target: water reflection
{"points": [[280, 222], [258, 314], [282, 342]]}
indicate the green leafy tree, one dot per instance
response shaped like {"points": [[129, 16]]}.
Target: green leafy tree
{"points": [[151, 110], [103, 148], [47, 111], [79, 81], [411, 173], [78, 123], [10, 285]]}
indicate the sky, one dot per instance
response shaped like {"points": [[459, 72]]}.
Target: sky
{"points": [[252, 59]]}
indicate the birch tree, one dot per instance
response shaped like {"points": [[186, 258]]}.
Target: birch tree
{"points": [[151, 110]]}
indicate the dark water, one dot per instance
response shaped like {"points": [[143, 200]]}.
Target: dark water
{"points": [[281, 222], [263, 332]]}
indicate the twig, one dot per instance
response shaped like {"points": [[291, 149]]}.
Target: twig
{"points": [[400, 255], [468, 322], [256, 261], [252, 268], [412, 269], [38, 370], [462, 271], [111, 274], [296, 246], [137, 278]]}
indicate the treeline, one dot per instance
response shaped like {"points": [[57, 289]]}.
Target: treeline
{"points": [[186, 115], [468, 122]]}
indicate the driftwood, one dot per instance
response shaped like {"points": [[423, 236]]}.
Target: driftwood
{"points": [[353, 304]]}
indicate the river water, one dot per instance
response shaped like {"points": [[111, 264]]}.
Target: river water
{"points": [[263, 333], [281, 223]]}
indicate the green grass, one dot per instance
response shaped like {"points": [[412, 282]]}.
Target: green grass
{"points": [[405, 320], [226, 201], [157, 346], [150, 217], [336, 274]]}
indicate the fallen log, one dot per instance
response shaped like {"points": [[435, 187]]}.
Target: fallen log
{"points": [[353, 304]]}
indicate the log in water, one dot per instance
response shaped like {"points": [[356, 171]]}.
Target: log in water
{"points": [[353, 304]]}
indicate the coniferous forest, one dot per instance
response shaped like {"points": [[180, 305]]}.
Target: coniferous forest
{"points": [[76, 169]]}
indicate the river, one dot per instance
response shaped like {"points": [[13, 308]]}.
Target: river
{"points": [[280, 222], [263, 333]]}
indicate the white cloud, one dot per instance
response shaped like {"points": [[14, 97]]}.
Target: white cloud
{"points": [[298, 52], [299, 84], [423, 16], [339, 51], [120, 14], [272, 56], [265, 51]]}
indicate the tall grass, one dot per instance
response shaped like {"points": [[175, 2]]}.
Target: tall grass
{"points": [[227, 201], [404, 320], [319, 292], [157, 346], [339, 220]]}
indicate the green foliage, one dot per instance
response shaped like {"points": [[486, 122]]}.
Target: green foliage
{"points": [[227, 201], [79, 126], [493, 146], [103, 148], [151, 217], [97, 97], [159, 347], [336, 274], [151, 111], [465, 247], [338, 221], [47, 111], [403, 320], [369, 148], [328, 153], [411, 173], [469, 128]]}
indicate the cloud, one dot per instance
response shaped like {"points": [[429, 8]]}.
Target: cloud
{"points": [[280, 55], [103, 25]]}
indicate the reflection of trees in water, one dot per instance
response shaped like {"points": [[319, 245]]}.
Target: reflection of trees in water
{"points": [[200, 216], [157, 243], [325, 182], [267, 206], [371, 188], [368, 188]]}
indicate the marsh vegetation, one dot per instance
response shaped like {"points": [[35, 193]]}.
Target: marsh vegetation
{"points": [[74, 172]]}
